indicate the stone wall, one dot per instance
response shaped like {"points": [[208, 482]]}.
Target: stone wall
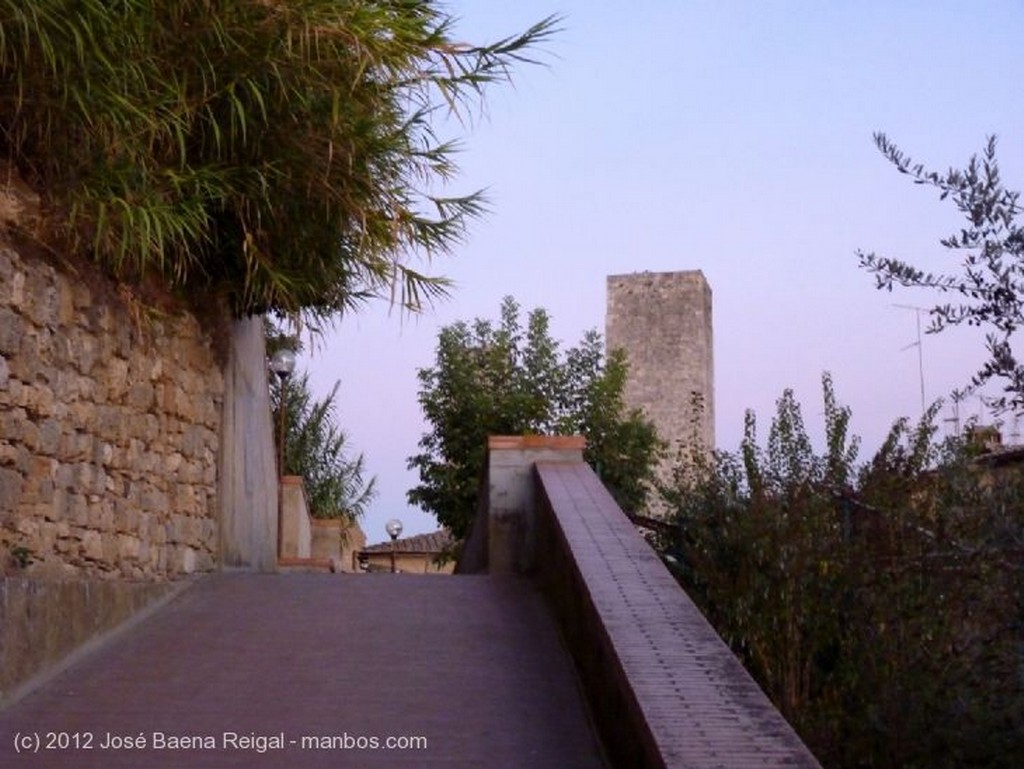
{"points": [[663, 322], [110, 418]]}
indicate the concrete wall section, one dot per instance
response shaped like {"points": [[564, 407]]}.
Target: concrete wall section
{"points": [[44, 621], [511, 522], [296, 528], [248, 483]]}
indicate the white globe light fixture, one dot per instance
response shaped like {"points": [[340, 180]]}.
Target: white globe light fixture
{"points": [[394, 529], [282, 364]]}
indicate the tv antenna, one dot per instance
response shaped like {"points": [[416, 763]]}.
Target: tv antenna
{"points": [[920, 347], [957, 397]]}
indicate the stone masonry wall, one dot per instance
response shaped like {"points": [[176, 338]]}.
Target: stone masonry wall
{"points": [[109, 431], [663, 322]]}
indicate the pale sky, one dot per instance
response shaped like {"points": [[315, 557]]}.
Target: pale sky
{"points": [[730, 137]]}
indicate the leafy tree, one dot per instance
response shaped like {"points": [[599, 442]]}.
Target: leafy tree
{"points": [[279, 154], [990, 282], [880, 606], [503, 380], [317, 449], [758, 541]]}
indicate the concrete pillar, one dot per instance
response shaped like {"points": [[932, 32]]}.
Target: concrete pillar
{"points": [[511, 514], [248, 478], [296, 535]]}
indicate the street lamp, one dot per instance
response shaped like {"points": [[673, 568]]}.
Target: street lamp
{"points": [[282, 364], [393, 528]]}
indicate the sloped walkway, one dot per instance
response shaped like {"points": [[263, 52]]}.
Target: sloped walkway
{"points": [[311, 670]]}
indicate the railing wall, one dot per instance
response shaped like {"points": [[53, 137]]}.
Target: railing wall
{"points": [[664, 689]]}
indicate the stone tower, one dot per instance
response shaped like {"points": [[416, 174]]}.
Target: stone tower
{"points": [[663, 322]]}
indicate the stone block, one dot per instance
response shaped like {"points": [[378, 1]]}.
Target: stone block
{"points": [[8, 258], [65, 304], [60, 505], [39, 302], [49, 437], [81, 296], [185, 498], [28, 432], [188, 560], [11, 485], [155, 501], [127, 547], [112, 377], [8, 455], [102, 319], [85, 353], [82, 416], [11, 331], [172, 463], [46, 539], [27, 527], [101, 453], [78, 509], [204, 561], [140, 396], [37, 400], [42, 471], [17, 289], [64, 476], [24, 361]]}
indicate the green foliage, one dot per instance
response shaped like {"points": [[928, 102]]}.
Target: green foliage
{"points": [[880, 606], [758, 543], [280, 153], [316, 449], [503, 380], [22, 556], [990, 283]]}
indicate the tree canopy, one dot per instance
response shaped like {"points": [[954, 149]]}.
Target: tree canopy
{"points": [[283, 154], [990, 282], [503, 379]]}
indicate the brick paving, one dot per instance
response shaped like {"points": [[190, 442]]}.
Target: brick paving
{"points": [[473, 664]]}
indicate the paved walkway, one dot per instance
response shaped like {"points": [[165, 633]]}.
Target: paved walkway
{"points": [[310, 670]]}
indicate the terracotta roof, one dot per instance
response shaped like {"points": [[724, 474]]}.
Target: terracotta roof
{"points": [[433, 543], [1002, 456]]}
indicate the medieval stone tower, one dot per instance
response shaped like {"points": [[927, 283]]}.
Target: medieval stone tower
{"points": [[663, 322]]}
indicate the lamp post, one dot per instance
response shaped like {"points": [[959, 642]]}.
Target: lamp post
{"points": [[282, 364], [393, 528]]}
